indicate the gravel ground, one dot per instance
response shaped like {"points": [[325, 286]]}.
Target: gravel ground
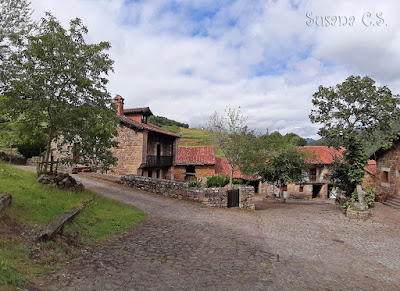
{"points": [[292, 246]]}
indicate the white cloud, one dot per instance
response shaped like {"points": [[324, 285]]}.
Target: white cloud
{"points": [[186, 59]]}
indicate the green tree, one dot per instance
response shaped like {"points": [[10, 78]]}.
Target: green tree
{"points": [[353, 114], [15, 26], [234, 138], [59, 86], [295, 139], [287, 165]]}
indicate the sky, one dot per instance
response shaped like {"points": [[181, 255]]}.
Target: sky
{"points": [[187, 59]]}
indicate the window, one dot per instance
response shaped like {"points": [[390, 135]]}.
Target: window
{"points": [[144, 119], [191, 169], [301, 188], [150, 174], [385, 176]]}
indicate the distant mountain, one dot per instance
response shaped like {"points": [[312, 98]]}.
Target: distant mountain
{"points": [[310, 140]]}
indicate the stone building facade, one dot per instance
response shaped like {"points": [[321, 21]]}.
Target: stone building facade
{"points": [[370, 175], [144, 149], [388, 170], [317, 182], [194, 163]]}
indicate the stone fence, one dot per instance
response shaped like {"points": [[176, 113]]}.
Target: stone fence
{"points": [[212, 197]]}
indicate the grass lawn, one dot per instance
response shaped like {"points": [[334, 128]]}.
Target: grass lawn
{"points": [[33, 207]]}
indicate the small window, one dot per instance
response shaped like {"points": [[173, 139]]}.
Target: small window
{"points": [[301, 188], [150, 174], [385, 176], [191, 169], [144, 119]]}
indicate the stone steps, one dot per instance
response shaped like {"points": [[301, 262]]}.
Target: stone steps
{"points": [[393, 202]]}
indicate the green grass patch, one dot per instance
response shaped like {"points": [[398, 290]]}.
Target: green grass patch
{"points": [[191, 137], [35, 205]]}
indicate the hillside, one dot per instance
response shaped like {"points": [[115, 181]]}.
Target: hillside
{"points": [[194, 137]]}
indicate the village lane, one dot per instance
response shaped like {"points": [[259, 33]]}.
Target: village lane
{"points": [[183, 246]]}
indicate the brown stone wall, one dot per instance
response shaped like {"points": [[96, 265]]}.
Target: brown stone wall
{"points": [[201, 172], [388, 162], [369, 181], [205, 171], [212, 197], [135, 117], [179, 173], [293, 190], [129, 151]]}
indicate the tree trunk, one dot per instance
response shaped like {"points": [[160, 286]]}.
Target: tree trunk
{"points": [[48, 150]]}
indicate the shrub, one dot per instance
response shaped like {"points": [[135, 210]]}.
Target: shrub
{"points": [[217, 181], [237, 181], [195, 184], [347, 205], [28, 150], [369, 196]]}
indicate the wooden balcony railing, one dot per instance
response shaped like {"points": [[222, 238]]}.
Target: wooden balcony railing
{"points": [[159, 161]]}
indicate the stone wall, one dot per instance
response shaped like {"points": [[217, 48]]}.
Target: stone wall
{"points": [[201, 172], [369, 181], [388, 172], [212, 197], [129, 151]]}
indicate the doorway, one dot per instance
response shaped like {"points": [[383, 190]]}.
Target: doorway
{"points": [[315, 190]]}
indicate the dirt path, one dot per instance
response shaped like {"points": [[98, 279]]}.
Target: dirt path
{"points": [[279, 247]]}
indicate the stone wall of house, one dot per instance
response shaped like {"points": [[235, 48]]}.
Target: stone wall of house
{"points": [[212, 197], [205, 171], [201, 172], [388, 172], [129, 151], [369, 181], [293, 190], [179, 173]]}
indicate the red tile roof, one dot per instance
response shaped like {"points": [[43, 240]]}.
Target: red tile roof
{"points": [[149, 127], [371, 167], [322, 155], [196, 155], [222, 168], [138, 110]]}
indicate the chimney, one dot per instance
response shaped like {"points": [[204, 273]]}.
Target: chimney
{"points": [[119, 101]]}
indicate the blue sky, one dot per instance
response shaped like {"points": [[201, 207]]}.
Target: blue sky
{"points": [[186, 59]]}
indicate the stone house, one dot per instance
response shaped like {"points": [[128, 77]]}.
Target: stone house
{"points": [[144, 149], [194, 163], [388, 170], [317, 182], [370, 175]]}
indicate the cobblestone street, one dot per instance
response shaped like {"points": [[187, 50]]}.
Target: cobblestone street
{"points": [[182, 246]]}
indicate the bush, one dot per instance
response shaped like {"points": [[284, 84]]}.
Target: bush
{"points": [[28, 150], [195, 184], [237, 181], [369, 196], [347, 205], [217, 181]]}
